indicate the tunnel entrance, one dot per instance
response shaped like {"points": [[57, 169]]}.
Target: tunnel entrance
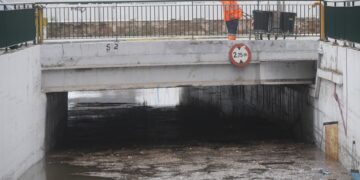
{"points": [[168, 116], [223, 132]]}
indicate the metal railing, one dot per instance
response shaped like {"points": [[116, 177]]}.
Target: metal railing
{"points": [[342, 20], [17, 24], [185, 19]]}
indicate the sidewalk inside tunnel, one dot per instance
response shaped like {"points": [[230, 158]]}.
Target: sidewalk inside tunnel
{"points": [[227, 132]]}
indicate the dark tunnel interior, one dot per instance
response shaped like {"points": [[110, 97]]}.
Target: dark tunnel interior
{"points": [[191, 115]]}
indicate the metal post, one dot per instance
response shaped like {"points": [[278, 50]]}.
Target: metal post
{"points": [[322, 21], [192, 19], [40, 24]]}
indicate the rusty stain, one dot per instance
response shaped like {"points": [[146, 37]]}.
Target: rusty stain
{"points": [[332, 141]]}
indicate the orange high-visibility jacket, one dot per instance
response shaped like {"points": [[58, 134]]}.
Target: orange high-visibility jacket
{"points": [[231, 10]]}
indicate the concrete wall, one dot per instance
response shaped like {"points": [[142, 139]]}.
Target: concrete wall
{"points": [[283, 105], [56, 119], [339, 77], [26, 113], [22, 112]]}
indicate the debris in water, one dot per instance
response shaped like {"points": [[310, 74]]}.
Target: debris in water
{"points": [[325, 172]]}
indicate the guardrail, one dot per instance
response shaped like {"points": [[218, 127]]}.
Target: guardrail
{"points": [[342, 20], [142, 19], [17, 24]]}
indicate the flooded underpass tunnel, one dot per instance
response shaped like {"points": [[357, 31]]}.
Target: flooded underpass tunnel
{"points": [[224, 132]]}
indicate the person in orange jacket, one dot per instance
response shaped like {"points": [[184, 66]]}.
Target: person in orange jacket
{"points": [[232, 14]]}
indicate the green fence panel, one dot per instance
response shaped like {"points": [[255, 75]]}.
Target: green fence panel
{"points": [[343, 23], [353, 25], [17, 26]]}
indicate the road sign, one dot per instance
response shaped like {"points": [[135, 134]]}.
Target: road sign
{"points": [[240, 55]]}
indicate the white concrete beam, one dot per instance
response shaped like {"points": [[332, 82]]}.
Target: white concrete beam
{"points": [[164, 53], [111, 65], [171, 76]]}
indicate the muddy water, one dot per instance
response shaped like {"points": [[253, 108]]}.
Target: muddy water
{"points": [[120, 135], [271, 160]]}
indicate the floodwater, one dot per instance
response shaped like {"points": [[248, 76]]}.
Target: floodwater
{"points": [[148, 134]]}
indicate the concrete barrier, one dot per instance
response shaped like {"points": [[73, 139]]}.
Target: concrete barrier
{"points": [[22, 112], [26, 113], [338, 99]]}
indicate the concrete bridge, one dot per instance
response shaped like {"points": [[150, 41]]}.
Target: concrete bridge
{"points": [[35, 81], [150, 64]]}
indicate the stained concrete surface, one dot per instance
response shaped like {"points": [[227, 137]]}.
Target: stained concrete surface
{"points": [[119, 140]]}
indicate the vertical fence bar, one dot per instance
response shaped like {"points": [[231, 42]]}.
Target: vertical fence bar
{"points": [[246, 19], [86, 22], [305, 31], [154, 22], [120, 21], [194, 21], [116, 21], [64, 22], [89, 22], [134, 21], [307, 18], [158, 22], [40, 19], [112, 21], [191, 19], [163, 19]]}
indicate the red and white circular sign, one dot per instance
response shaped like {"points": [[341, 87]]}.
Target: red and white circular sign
{"points": [[240, 55]]}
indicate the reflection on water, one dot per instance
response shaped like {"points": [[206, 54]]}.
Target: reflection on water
{"points": [[36, 172], [46, 171]]}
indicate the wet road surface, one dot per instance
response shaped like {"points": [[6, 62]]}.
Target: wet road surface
{"points": [[271, 160], [112, 140]]}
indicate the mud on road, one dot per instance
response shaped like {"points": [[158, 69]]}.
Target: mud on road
{"points": [[270, 160]]}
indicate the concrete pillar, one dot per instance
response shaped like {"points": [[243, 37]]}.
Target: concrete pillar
{"points": [[56, 119]]}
